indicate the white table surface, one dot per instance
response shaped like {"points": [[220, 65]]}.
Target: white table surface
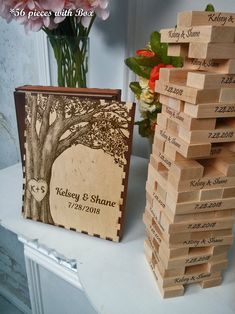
{"points": [[115, 276]]}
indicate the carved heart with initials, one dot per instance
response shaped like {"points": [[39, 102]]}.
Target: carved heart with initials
{"points": [[38, 188]]}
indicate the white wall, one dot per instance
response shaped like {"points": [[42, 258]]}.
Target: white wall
{"points": [[17, 67], [127, 29]]}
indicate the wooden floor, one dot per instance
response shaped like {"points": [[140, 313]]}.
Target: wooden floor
{"points": [[7, 308]]}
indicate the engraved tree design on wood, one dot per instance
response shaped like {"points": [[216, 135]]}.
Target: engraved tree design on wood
{"points": [[53, 124]]}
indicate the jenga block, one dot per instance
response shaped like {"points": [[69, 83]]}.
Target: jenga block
{"points": [[225, 165], [212, 179], [173, 75], [211, 282], [210, 80], [186, 170], [229, 213], [175, 104], [167, 162], [172, 126], [191, 207], [178, 50], [170, 151], [208, 34], [211, 50], [194, 274], [151, 179], [181, 197], [181, 239], [161, 191], [195, 226], [158, 144], [188, 122], [211, 194], [187, 150], [186, 93], [156, 163], [218, 266], [218, 110], [195, 18], [229, 192], [162, 120], [210, 65], [219, 135], [227, 95]]}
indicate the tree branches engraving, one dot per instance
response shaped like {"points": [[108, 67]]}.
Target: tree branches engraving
{"points": [[56, 122]]}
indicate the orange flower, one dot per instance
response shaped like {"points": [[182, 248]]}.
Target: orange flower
{"points": [[145, 53]]}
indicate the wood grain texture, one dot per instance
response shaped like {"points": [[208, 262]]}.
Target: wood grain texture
{"points": [[77, 160]]}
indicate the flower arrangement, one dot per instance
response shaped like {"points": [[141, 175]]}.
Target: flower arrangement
{"points": [[67, 24], [146, 65]]}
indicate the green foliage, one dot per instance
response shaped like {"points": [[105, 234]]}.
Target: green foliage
{"points": [[142, 71], [210, 8], [136, 88], [144, 128], [155, 41]]}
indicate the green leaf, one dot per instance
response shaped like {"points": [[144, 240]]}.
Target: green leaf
{"points": [[147, 61], [137, 69], [155, 41], [163, 54], [210, 8], [144, 127], [136, 88]]}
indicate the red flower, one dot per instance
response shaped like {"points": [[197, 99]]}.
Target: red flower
{"points": [[145, 53], [154, 74]]}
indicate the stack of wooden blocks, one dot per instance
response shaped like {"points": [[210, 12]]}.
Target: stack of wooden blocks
{"points": [[190, 189]]}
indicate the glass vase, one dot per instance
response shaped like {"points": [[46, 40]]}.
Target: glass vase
{"points": [[70, 56]]}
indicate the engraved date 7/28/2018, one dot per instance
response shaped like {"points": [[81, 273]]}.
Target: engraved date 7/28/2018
{"points": [[84, 208], [174, 90]]}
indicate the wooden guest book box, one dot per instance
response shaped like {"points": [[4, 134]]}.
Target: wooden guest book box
{"points": [[75, 148]]}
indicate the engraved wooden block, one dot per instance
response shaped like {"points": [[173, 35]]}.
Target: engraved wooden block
{"points": [[178, 50], [158, 144], [211, 50], [210, 80], [191, 238], [188, 94], [165, 160], [191, 207], [211, 110], [196, 18], [186, 121], [210, 65], [206, 34], [221, 134], [184, 148], [212, 179], [175, 104]]}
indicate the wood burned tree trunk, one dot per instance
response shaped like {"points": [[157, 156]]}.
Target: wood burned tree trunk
{"points": [[46, 141]]}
